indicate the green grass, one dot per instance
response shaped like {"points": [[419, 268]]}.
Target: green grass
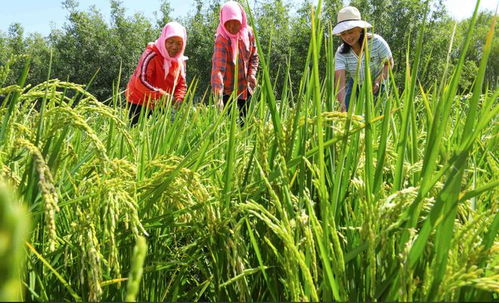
{"points": [[389, 202]]}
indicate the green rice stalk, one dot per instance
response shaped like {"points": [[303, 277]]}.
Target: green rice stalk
{"points": [[135, 275], [75, 296], [14, 229], [48, 191], [408, 108]]}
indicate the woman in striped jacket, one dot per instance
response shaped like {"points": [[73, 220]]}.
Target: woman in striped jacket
{"points": [[350, 59], [160, 74]]}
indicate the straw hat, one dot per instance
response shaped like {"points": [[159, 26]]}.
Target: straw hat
{"points": [[348, 18]]}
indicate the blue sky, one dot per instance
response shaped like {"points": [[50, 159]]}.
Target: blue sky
{"points": [[42, 15]]}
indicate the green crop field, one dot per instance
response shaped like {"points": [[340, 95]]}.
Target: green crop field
{"points": [[393, 202]]}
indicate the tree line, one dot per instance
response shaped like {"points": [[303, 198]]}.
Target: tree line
{"points": [[88, 49]]}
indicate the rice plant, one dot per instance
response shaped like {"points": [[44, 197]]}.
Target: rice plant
{"points": [[397, 201], [14, 230]]}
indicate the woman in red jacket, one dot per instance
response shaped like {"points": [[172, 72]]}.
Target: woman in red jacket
{"points": [[160, 74]]}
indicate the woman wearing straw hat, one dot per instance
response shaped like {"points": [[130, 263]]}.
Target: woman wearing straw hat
{"points": [[353, 30]]}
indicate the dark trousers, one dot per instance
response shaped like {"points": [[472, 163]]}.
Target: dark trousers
{"points": [[242, 106], [134, 112], [349, 89]]}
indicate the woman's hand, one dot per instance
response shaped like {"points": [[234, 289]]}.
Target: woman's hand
{"points": [[340, 85], [176, 105], [252, 82], [343, 107], [219, 103], [165, 94], [376, 87]]}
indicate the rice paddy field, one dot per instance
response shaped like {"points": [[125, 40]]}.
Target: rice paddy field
{"points": [[396, 201]]}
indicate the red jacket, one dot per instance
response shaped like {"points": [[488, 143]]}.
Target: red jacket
{"points": [[149, 77]]}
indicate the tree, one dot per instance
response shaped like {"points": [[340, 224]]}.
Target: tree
{"points": [[164, 15], [300, 42], [88, 45], [16, 39], [274, 31], [330, 9], [130, 36], [475, 51], [201, 28], [39, 50]]}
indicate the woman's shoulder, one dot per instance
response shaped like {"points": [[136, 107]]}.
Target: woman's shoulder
{"points": [[222, 42], [377, 38], [151, 50], [151, 47], [379, 44], [151, 53], [340, 53], [338, 50], [221, 39], [251, 34]]}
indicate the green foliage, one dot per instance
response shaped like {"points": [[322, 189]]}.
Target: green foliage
{"points": [[136, 270], [164, 17], [275, 32], [268, 232], [201, 28], [88, 46], [475, 53]]}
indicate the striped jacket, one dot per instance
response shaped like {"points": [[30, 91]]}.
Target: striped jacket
{"points": [[222, 71], [149, 77], [379, 53]]}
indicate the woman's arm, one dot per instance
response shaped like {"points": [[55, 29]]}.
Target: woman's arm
{"points": [[383, 75], [253, 63], [147, 72], [340, 84], [218, 67], [180, 90]]}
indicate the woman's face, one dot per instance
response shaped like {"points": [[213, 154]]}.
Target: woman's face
{"points": [[233, 26], [173, 45], [351, 36]]}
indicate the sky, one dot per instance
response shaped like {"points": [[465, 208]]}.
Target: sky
{"points": [[43, 15]]}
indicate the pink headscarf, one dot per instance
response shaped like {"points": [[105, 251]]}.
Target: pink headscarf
{"points": [[172, 29], [232, 10]]}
